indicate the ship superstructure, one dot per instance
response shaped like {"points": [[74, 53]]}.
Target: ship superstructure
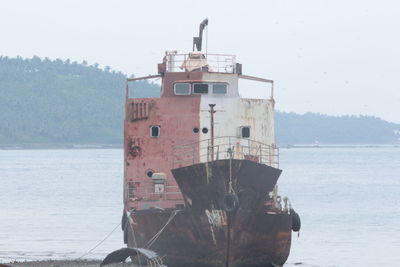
{"points": [[175, 130]]}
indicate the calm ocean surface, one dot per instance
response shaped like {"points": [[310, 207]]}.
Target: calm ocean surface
{"points": [[58, 204]]}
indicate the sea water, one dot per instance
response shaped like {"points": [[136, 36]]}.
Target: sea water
{"points": [[59, 204]]}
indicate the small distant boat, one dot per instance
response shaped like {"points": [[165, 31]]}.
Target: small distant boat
{"points": [[316, 143], [201, 167]]}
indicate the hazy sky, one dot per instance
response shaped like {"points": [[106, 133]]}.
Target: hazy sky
{"points": [[335, 57]]}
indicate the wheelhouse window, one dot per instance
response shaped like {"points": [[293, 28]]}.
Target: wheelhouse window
{"points": [[182, 88], [155, 131], [200, 88], [244, 131], [220, 88]]}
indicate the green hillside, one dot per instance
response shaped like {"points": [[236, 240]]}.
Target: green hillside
{"points": [[293, 128], [46, 101]]}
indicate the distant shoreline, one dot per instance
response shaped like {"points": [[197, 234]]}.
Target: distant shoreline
{"points": [[59, 146], [120, 146], [340, 146]]}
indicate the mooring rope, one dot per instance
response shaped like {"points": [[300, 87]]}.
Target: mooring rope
{"points": [[130, 220], [101, 242], [155, 237]]}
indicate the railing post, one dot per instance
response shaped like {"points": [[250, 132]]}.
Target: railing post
{"points": [[270, 157], [212, 111], [277, 157], [229, 147], [217, 63]]}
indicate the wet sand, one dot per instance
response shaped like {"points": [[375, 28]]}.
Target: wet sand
{"points": [[64, 263]]}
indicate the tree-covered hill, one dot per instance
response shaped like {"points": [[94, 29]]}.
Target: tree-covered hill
{"points": [[293, 128], [46, 101]]}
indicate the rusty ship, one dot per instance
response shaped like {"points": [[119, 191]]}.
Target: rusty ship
{"points": [[201, 167]]}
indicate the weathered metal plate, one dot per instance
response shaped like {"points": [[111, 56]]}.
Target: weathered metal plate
{"points": [[197, 236]]}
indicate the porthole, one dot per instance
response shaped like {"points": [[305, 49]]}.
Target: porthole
{"points": [[149, 173], [204, 130]]}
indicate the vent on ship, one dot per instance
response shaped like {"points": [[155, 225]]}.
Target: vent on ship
{"points": [[140, 111]]}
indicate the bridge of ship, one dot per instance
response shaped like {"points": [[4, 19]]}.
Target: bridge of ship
{"points": [[157, 189]]}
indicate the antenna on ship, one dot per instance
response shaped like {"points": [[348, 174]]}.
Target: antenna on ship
{"points": [[197, 41], [212, 111]]}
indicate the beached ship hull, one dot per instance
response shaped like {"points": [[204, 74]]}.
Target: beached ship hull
{"points": [[198, 235], [201, 168]]}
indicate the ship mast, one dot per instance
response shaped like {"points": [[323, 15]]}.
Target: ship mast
{"points": [[212, 112]]}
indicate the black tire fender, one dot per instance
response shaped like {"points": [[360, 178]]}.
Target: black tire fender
{"points": [[124, 220], [126, 234], [296, 222]]}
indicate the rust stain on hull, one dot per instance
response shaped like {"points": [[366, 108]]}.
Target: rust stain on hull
{"points": [[200, 188], [196, 238]]}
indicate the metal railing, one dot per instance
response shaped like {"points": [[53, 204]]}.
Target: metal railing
{"points": [[217, 62], [225, 147]]}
